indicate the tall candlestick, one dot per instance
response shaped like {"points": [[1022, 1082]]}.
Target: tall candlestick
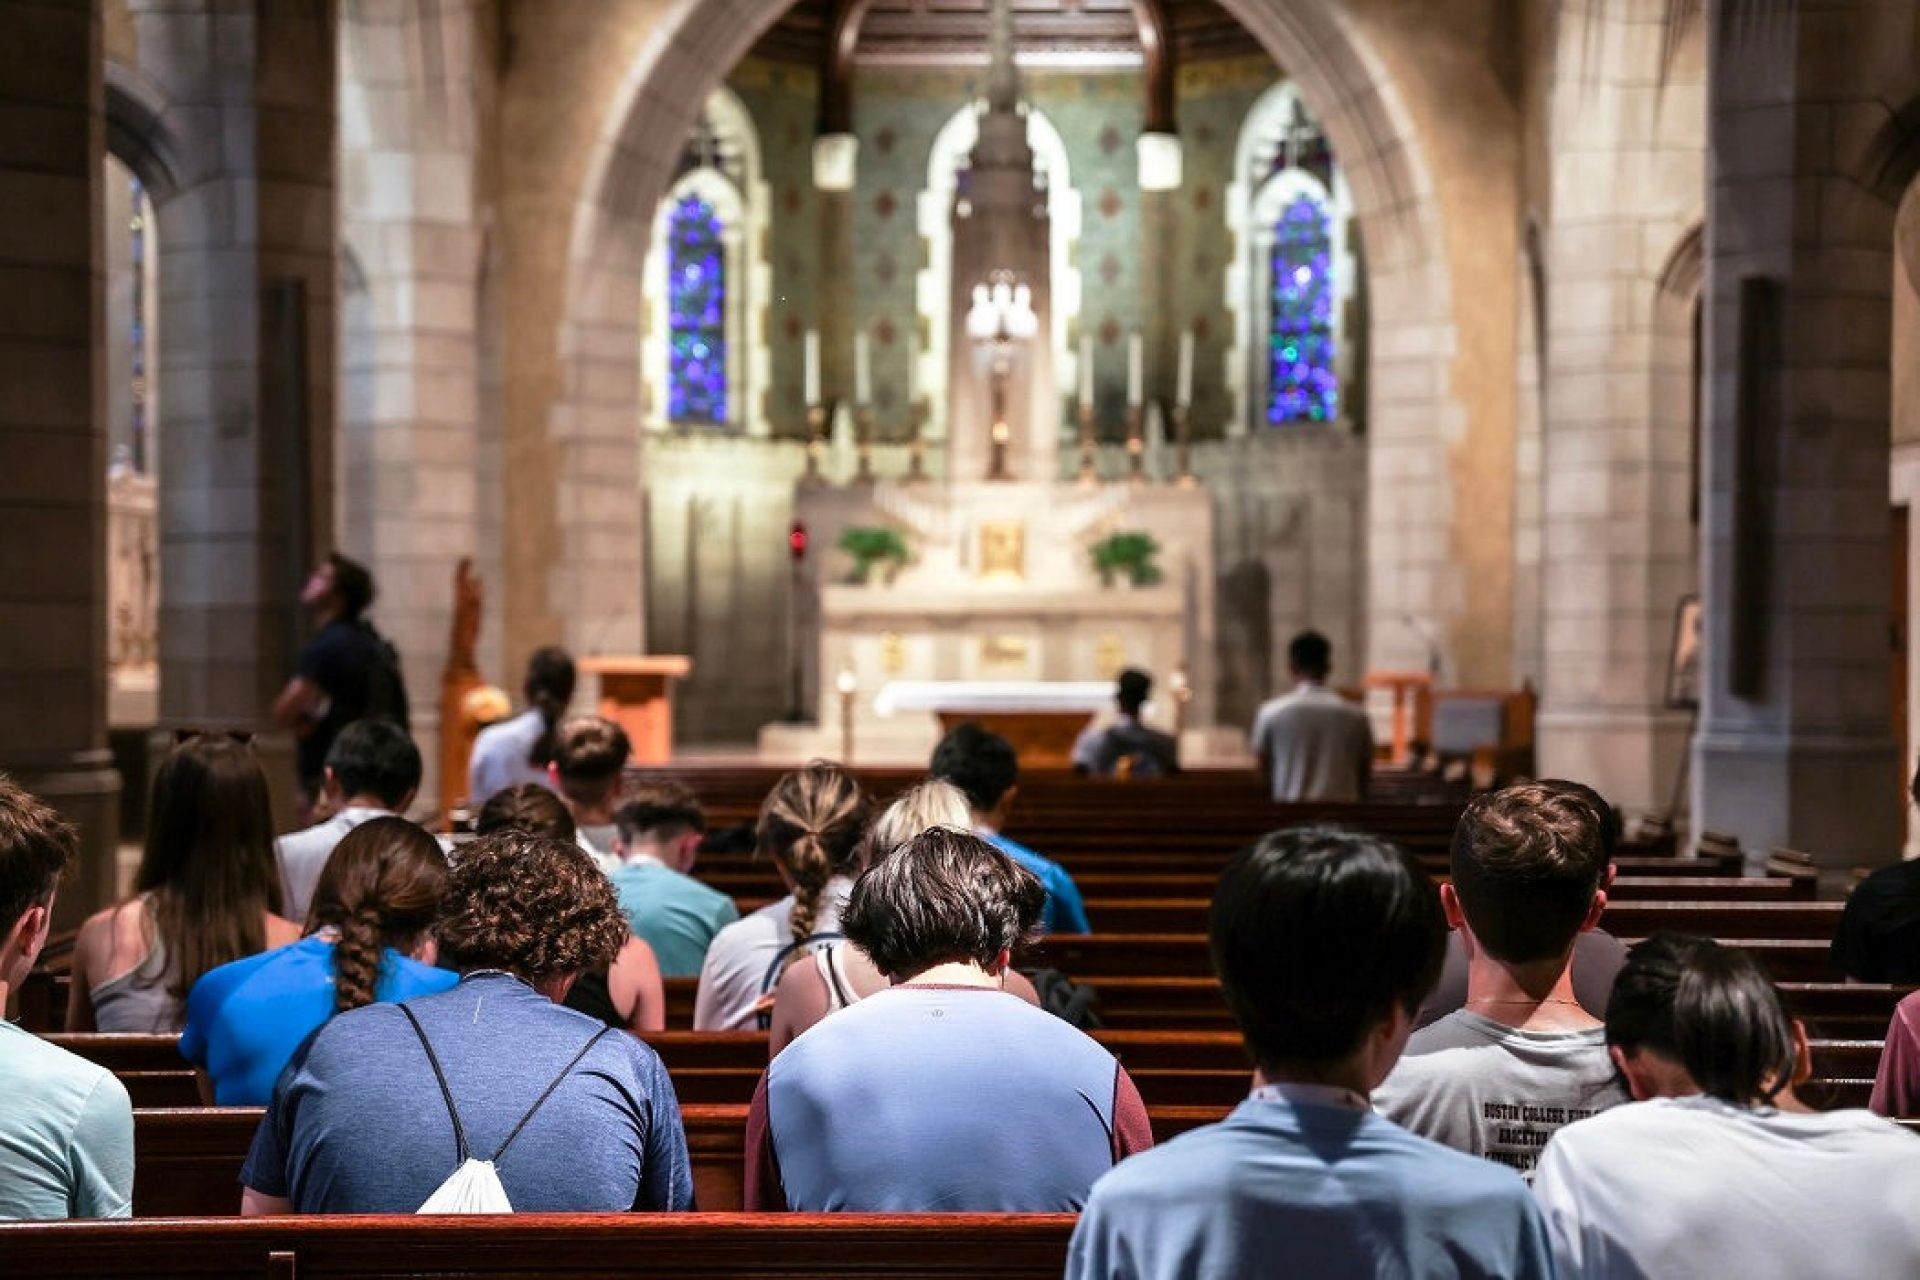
{"points": [[813, 366], [1135, 372], [862, 372], [1086, 369], [1185, 383]]}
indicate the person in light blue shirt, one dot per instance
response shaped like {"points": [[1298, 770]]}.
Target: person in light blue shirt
{"points": [[519, 749], [66, 1126], [986, 769], [1325, 942], [658, 832], [373, 909]]}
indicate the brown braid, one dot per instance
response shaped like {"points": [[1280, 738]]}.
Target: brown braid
{"points": [[381, 888], [811, 824]]}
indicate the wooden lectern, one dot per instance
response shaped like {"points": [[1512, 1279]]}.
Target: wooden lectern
{"points": [[636, 694]]}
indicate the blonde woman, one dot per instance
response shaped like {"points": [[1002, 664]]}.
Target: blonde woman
{"points": [[838, 974]]}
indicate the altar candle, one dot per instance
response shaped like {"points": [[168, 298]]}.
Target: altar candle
{"points": [[1086, 370], [813, 367], [1134, 371], [862, 374], [1185, 396]]}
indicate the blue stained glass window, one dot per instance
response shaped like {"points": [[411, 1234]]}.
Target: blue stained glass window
{"points": [[696, 314], [1301, 383]]}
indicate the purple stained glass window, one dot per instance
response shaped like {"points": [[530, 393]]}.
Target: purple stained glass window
{"points": [[696, 314], [1301, 383]]}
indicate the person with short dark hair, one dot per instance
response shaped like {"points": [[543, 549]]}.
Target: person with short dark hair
{"points": [[345, 673], [369, 937], [589, 758], [658, 829], [531, 807], [1312, 744], [373, 770], [1127, 747], [1522, 1058], [519, 749], [944, 1092], [1325, 943], [380, 1105], [986, 769], [66, 1125], [1716, 1167]]}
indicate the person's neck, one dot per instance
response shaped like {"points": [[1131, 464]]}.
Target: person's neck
{"points": [[1530, 997], [643, 852], [328, 614], [955, 973], [1348, 1073], [366, 800], [592, 815]]}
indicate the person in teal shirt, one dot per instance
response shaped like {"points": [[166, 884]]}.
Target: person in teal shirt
{"points": [[66, 1125], [660, 827], [372, 914]]}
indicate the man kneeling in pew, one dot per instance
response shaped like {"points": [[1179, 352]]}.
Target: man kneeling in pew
{"points": [[382, 1104], [1325, 942]]}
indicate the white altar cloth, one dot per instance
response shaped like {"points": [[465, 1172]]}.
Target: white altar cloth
{"points": [[1090, 696]]}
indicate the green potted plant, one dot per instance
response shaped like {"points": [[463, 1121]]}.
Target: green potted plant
{"points": [[1128, 554], [874, 544]]}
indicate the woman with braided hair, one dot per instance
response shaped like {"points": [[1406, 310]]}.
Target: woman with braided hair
{"points": [[811, 825], [368, 938]]}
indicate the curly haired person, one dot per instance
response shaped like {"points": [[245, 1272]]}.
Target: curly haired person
{"points": [[384, 1102]]}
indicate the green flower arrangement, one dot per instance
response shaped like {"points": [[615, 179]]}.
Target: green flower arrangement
{"points": [[874, 544], [1128, 553]]}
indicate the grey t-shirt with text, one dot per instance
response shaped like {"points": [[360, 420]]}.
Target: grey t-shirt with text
{"points": [[1485, 1088]]}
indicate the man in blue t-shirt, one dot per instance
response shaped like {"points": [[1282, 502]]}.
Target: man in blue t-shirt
{"points": [[658, 832], [575, 1117], [1325, 942], [985, 768]]}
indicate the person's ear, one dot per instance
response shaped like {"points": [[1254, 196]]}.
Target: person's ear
{"points": [[1628, 1065], [1595, 909], [998, 965], [1007, 798], [22, 944], [1385, 1043], [553, 776], [406, 801], [1802, 1055], [330, 783], [1450, 905], [689, 851], [1606, 879], [427, 949]]}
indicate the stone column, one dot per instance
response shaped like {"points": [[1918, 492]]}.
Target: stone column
{"points": [[1795, 745], [53, 590], [408, 416], [247, 284]]}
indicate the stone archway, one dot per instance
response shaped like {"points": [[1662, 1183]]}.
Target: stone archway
{"points": [[1422, 574]]}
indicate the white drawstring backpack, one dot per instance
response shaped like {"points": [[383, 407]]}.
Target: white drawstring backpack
{"points": [[474, 1185]]}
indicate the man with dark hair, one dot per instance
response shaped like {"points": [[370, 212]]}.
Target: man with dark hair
{"points": [[1879, 935], [1522, 1058], [1716, 1168], [381, 1104], [944, 1092], [66, 1125], [346, 672], [1127, 747], [658, 829], [1312, 744], [372, 769], [589, 755], [1325, 943], [986, 770]]}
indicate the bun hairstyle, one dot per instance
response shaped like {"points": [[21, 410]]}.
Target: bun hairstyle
{"points": [[549, 688], [931, 804], [811, 824], [381, 888], [526, 806], [208, 864]]}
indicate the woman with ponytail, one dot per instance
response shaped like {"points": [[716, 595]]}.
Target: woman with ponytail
{"points": [[369, 938], [520, 749], [1717, 1168], [811, 825]]}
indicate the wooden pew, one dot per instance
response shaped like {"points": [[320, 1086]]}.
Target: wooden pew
{"points": [[1783, 919], [987, 1246], [188, 1160]]}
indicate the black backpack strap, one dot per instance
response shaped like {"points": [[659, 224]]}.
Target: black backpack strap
{"points": [[542, 1099], [461, 1151]]}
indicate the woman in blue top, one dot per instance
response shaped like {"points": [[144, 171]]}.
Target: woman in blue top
{"points": [[368, 938]]}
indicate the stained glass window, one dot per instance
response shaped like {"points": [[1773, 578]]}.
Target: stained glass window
{"points": [[696, 314], [1301, 383]]}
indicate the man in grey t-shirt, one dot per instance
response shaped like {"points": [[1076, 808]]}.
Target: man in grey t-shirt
{"points": [[1312, 743], [1498, 1077]]}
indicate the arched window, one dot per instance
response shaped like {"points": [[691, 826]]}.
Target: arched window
{"points": [[696, 313], [1293, 274], [1302, 384]]}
